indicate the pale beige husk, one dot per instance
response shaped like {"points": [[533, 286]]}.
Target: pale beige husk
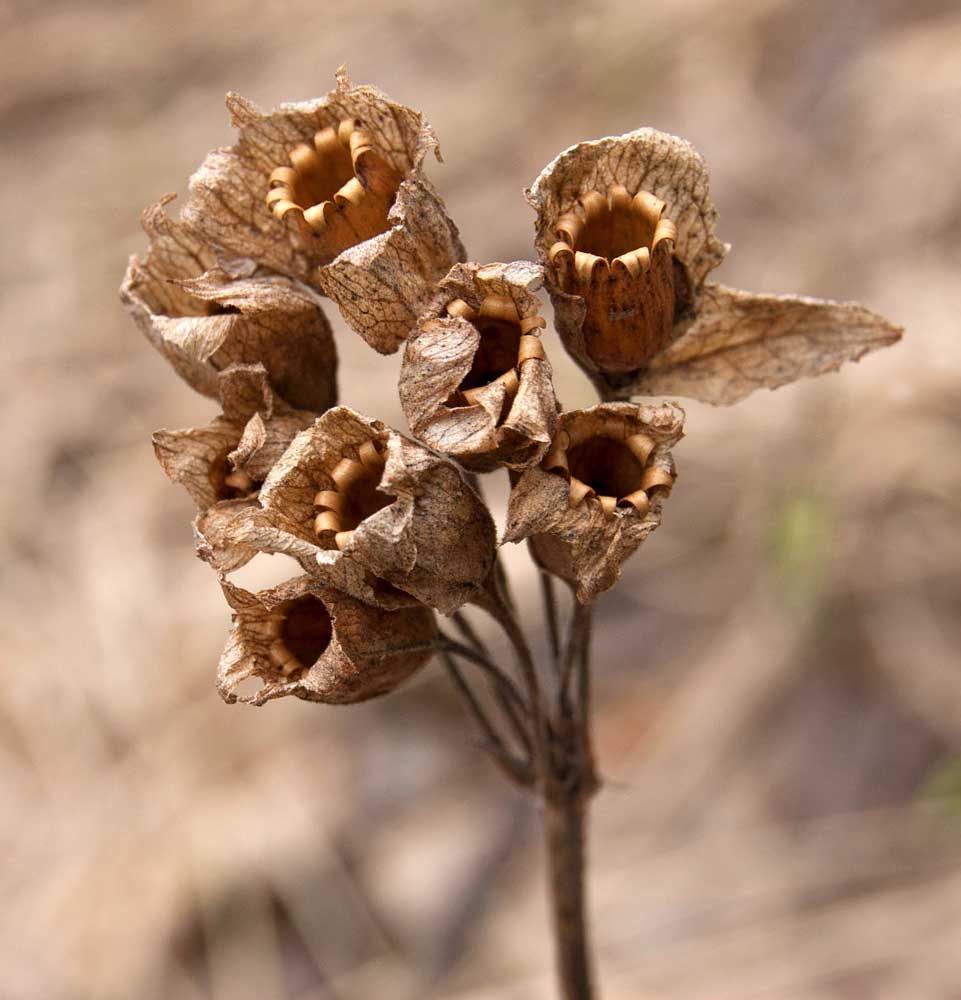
{"points": [[434, 543], [247, 438], [380, 284], [739, 342], [583, 544], [725, 343], [498, 429], [371, 650], [204, 319]]}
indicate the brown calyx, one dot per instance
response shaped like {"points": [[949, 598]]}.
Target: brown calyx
{"points": [[606, 463], [355, 495], [616, 251], [506, 342], [339, 191], [302, 630]]}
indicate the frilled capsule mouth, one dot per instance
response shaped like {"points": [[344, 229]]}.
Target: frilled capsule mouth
{"points": [[608, 465], [612, 232], [355, 495], [506, 342], [300, 632], [339, 192]]}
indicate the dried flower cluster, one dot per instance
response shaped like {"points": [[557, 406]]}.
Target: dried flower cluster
{"points": [[328, 200]]}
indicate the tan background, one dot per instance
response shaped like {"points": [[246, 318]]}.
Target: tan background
{"points": [[779, 681]]}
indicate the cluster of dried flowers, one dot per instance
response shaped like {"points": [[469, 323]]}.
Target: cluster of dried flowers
{"points": [[328, 200]]}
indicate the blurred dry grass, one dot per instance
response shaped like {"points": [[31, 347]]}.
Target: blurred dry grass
{"points": [[779, 678]]}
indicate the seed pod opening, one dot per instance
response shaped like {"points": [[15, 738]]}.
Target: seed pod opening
{"points": [[376, 515], [597, 493], [319, 644], [476, 383], [333, 193]]}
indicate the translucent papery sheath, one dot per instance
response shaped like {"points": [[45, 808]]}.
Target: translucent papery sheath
{"points": [[597, 493], [376, 515], [332, 192], [625, 229], [476, 383], [223, 465], [204, 319], [319, 644]]}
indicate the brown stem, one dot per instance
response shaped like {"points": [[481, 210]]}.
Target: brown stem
{"points": [[565, 815]]}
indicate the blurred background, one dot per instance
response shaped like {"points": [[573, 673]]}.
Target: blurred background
{"points": [[778, 674]]}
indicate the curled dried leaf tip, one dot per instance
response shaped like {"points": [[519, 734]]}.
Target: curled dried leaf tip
{"points": [[318, 644], [377, 515], [476, 383], [597, 494], [625, 228], [333, 192], [204, 319]]}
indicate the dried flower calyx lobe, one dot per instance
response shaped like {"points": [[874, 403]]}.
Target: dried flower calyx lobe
{"points": [[332, 192], [376, 515], [625, 226], [598, 492], [319, 644], [476, 383]]}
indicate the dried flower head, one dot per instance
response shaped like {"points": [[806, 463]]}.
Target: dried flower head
{"points": [[476, 383], [376, 515], [223, 465], [597, 494], [332, 192], [319, 644], [204, 319], [625, 228]]}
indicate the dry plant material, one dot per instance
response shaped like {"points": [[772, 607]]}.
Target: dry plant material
{"points": [[625, 228], [319, 644], [598, 492], [376, 515], [223, 464], [476, 383], [329, 196], [204, 319], [332, 192]]}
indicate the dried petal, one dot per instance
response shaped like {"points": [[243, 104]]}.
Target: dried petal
{"points": [[740, 342], [223, 465], [204, 319], [597, 494], [332, 192], [625, 228], [376, 515], [476, 383], [319, 644]]}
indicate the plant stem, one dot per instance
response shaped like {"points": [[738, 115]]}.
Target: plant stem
{"points": [[565, 816]]}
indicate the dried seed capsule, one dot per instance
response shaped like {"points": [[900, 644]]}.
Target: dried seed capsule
{"points": [[476, 383], [376, 515], [204, 319], [625, 228], [333, 193], [223, 465], [597, 494], [319, 644]]}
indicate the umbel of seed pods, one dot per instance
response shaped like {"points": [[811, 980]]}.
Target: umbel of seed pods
{"points": [[336, 205]]}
